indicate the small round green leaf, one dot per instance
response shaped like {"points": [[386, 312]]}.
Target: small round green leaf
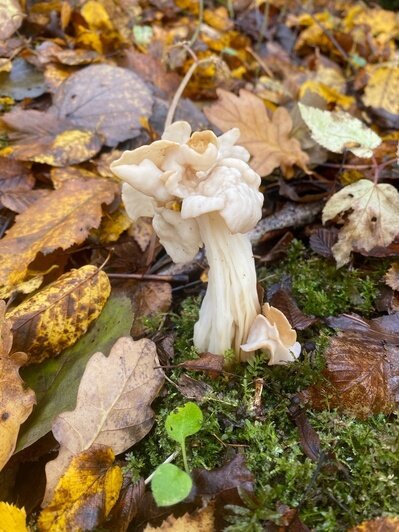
{"points": [[184, 421], [170, 485]]}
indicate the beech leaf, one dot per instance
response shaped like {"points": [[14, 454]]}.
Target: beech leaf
{"points": [[268, 140], [113, 404], [85, 494], [61, 219], [54, 318], [373, 220], [338, 131]]}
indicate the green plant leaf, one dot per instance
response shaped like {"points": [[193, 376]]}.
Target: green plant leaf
{"points": [[184, 421], [170, 485], [56, 380]]}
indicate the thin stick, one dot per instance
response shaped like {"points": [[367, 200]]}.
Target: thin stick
{"points": [[150, 277], [200, 20], [167, 461]]}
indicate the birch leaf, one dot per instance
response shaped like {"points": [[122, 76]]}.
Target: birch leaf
{"points": [[373, 220], [113, 404], [337, 131]]}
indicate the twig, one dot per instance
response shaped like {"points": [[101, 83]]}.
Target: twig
{"points": [[167, 461], [200, 20], [151, 277]]}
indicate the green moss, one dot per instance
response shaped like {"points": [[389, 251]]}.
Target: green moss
{"points": [[322, 290]]}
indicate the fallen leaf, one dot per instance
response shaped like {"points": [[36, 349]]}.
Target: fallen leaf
{"points": [[60, 220], [201, 521], [362, 376], [57, 316], [86, 493], [392, 276], [384, 328], [322, 241], [309, 439], [16, 400], [373, 220], [23, 81], [379, 524], [43, 137], [21, 200], [282, 300], [12, 518], [380, 93], [106, 99], [15, 176], [56, 381], [113, 404], [150, 299], [127, 506], [11, 17], [339, 131], [192, 388], [207, 362], [268, 140]]}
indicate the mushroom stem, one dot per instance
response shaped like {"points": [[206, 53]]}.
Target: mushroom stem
{"points": [[231, 302]]}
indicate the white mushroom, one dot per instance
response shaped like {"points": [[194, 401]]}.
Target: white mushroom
{"points": [[200, 190], [272, 331]]}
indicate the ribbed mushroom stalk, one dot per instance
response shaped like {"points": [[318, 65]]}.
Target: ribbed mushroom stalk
{"points": [[199, 190]]}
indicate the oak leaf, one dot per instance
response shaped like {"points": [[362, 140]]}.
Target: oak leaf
{"points": [[373, 220], [85, 494], [113, 404], [16, 400], [268, 140], [60, 220], [12, 518], [54, 318], [56, 380]]}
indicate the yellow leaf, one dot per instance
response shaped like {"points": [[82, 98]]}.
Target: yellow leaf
{"points": [[267, 139], [112, 407], [96, 16], [12, 518], [59, 220], [57, 316], [330, 94], [379, 524], [373, 220], [113, 225], [25, 287], [85, 494], [382, 89]]}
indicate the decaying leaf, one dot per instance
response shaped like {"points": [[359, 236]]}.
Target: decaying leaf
{"points": [[392, 276], [283, 300], [12, 518], [127, 506], [373, 220], [16, 400], [15, 176], [85, 494], [379, 524], [106, 99], [60, 220], [201, 521], [44, 137], [267, 139], [56, 381], [53, 319], [338, 131], [381, 92], [11, 17], [362, 376], [113, 404]]}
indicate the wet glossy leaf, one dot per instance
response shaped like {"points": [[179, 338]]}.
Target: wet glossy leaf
{"points": [[113, 404], [57, 316], [85, 494]]}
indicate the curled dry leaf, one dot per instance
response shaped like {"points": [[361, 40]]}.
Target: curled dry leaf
{"points": [[54, 318], [373, 220], [113, 404], [201, 521], [362, 376], [85, 494], [268, 140], [61, 219], [16, 400]]}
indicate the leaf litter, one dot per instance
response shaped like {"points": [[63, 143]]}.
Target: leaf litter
{"points": [[313, 91]]}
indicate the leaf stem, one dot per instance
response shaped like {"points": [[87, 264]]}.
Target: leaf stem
{"points": [[184, 456]]}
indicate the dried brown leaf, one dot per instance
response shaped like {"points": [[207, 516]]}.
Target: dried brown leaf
{"points": [[207, 362], [201, 521], [61, 219], [379, 524], [392, 276], [127, 506], [283, 300], [268, 140], [11, 17], [113, 404]]}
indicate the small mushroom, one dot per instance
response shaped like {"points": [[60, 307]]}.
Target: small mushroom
{"points": [[199, 189], [272, 331]]}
